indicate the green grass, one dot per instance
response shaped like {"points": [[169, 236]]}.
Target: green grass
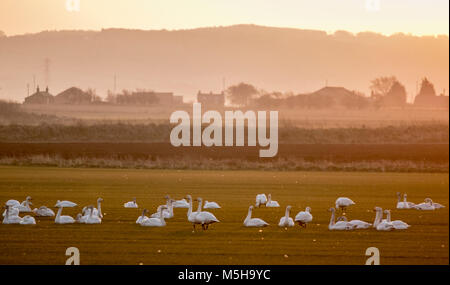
{"points": [[118, 240]]}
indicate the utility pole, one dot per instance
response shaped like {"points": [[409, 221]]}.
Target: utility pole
{"points": [[47, 71]]}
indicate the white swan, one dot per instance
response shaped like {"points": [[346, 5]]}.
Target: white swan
{"points": [[142, 217], [261, 199], [436, 205], [357, 224], [63, 219], [397, 224], [43, 211], [93, 218], [190, 214], [211, 205], [12, 203], [13, 211], [343, 202], [304, 217], [183, 203], [379, 224], [401, 204], [340, 225], [203, 217], [95, 211], [253, 222], [131, 204], [28, 220], [405, 200], [270, 203], [155, 222], [11, 219], [25, 205], [167, 210], [65, 204], [425, 206], [286, 221]]}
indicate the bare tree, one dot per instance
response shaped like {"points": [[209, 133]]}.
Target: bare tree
{"points": [[380, 86]]}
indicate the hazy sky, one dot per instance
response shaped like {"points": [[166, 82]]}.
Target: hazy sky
{"points": [[420, 17]]}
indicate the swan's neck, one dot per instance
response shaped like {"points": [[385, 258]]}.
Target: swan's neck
{"points": [[143, 214], [388, 217], [58, 215], [404, 199], [161, 216], [287, 213], [249, 215], [190, 208], [332, 218], [171, 207], [376, 221], [99, 207], [91, 213], [199, 209], [398, 199]]}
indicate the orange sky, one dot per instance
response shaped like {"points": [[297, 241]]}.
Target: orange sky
{"points": [[384, 16]]}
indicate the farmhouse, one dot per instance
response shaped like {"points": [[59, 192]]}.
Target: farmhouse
{"points": [[431, 101], [73, 96], [211, 100], [40, 97]]}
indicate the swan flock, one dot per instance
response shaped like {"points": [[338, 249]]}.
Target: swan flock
{"points": [[204, 219]]}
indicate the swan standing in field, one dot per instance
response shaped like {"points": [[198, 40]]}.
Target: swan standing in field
{"points": [[43, 211], [397, 224], [131, 204], [183, 203], [343, 202], [253, 222], [286, 221], [304, 217], [142, 217], [270, 203], [155, 222], [28, 220], [203, 217], [379, 223], [211, 205], [63, 219], [340, 225], [93, 218], [261, 199], [190, 214]]}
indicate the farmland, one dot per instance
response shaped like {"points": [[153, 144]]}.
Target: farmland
{"points": [[118, 240]]}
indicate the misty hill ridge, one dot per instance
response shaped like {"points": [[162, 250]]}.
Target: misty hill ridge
{"points": [[185, 61]]}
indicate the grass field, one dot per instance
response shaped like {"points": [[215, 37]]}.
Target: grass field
{"points": [[118, 240]]}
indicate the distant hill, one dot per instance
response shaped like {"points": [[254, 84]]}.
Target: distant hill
{"points": [[186, 61]]}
